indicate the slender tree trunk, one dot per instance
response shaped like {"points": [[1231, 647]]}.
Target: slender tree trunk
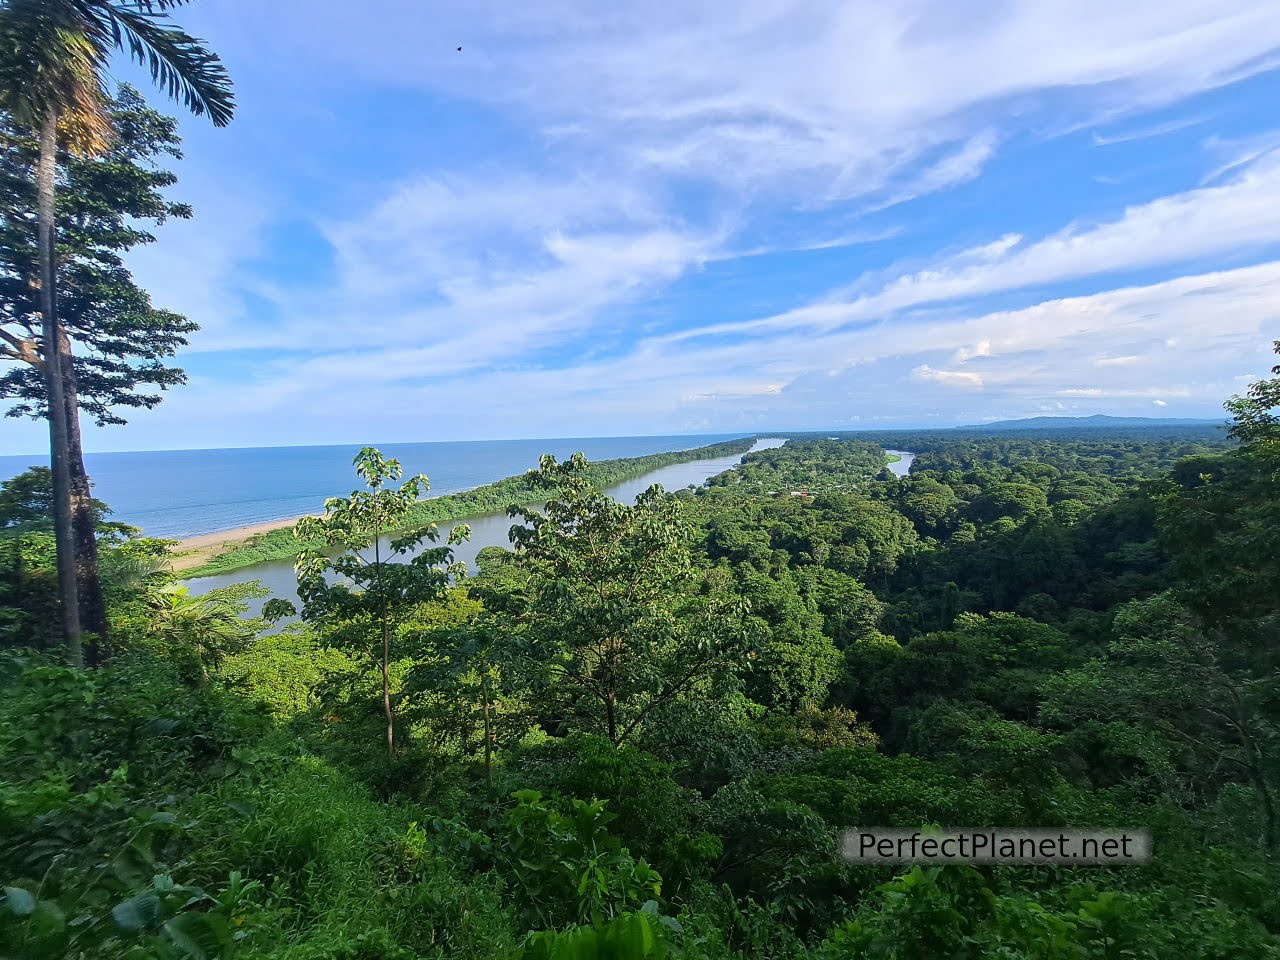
{"points": [[68, 595], [84, 528], [386, 690], [203, 679], [611, 694], [1263, 790], [386, 644]]}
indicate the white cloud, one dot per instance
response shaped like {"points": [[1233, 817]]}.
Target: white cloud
{"points": [[1144, 133], [1039, 355], [980, 349], [1234, 217], [951, 378], [448, 276], [854, 91], [960, 166], [841, 98], [196, 266]]}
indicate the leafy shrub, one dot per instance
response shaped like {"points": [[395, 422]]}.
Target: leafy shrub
{"points": [[567, 865], [653, 815]]}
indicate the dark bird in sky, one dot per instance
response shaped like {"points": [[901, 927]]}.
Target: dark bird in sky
{"points": [[459, 49]]}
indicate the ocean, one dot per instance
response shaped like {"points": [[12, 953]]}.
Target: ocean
{"points": [[185, 493], [489, 530]]}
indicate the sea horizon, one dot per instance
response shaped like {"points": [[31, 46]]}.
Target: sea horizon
{"points": [[178, 494]]}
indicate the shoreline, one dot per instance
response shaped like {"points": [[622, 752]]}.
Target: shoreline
{"points": [[191, 552], [225, 551]]}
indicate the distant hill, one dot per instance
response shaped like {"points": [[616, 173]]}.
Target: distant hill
{"points": [[1098, 420]]}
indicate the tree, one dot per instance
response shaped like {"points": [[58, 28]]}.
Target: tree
{"points": [[462, 673], [203, 630], [26, 501], [850, 611], [28, 591], [1208, 700], [796, 663], [1219, 521], [1256, 415], [105, 202], [371, 597], [618, 623], [52, 68], [458, 691], [26, 597]]}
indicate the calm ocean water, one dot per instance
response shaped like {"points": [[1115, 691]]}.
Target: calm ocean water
{"points": [[490, 530], [184, 493]]}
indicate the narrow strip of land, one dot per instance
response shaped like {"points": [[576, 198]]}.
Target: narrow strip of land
{"points": [[192, 552], [274, 540]]}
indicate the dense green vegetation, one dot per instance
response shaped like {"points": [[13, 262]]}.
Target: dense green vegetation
{"points": [[1130, 452], [806, 468], [282, 543], [641, 732]]}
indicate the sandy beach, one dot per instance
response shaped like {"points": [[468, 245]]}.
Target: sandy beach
{"points": [[193, 551]]}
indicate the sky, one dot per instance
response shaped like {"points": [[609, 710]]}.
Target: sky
{"points": [[691, 217]]}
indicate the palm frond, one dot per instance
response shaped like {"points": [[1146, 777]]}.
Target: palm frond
{"points": [[123, 571], [84, 117], [52, 62], [180, 64], [157, 6]]}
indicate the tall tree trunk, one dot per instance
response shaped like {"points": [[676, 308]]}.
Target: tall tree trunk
{"points": [[68, 595], [385, 662], [84, 528]]}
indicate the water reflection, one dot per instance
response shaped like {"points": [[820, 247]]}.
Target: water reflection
{"points": [[489, 530], [901, 467]]}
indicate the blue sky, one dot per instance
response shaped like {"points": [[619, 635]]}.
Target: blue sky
{"points": [[604, 219]]}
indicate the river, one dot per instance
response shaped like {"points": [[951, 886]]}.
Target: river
{"points": [[901, 467], [489, 530]]}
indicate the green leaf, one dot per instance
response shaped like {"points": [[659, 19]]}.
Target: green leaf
{"points": [[138, 912], [47, 923], [133, 866], [198, 935], [20, 901]]}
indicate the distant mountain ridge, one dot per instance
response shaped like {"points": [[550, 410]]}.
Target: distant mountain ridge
{"points": [[1098, 420]]}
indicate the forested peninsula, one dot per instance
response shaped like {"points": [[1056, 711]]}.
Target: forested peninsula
{"points": [[282, 544]]}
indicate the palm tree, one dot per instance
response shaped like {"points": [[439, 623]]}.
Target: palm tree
{"points": [[203, 631], [53, 58]]}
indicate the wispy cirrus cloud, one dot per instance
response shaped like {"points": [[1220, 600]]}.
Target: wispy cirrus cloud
{"points": [[1238, 216], [1043, 357]]}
